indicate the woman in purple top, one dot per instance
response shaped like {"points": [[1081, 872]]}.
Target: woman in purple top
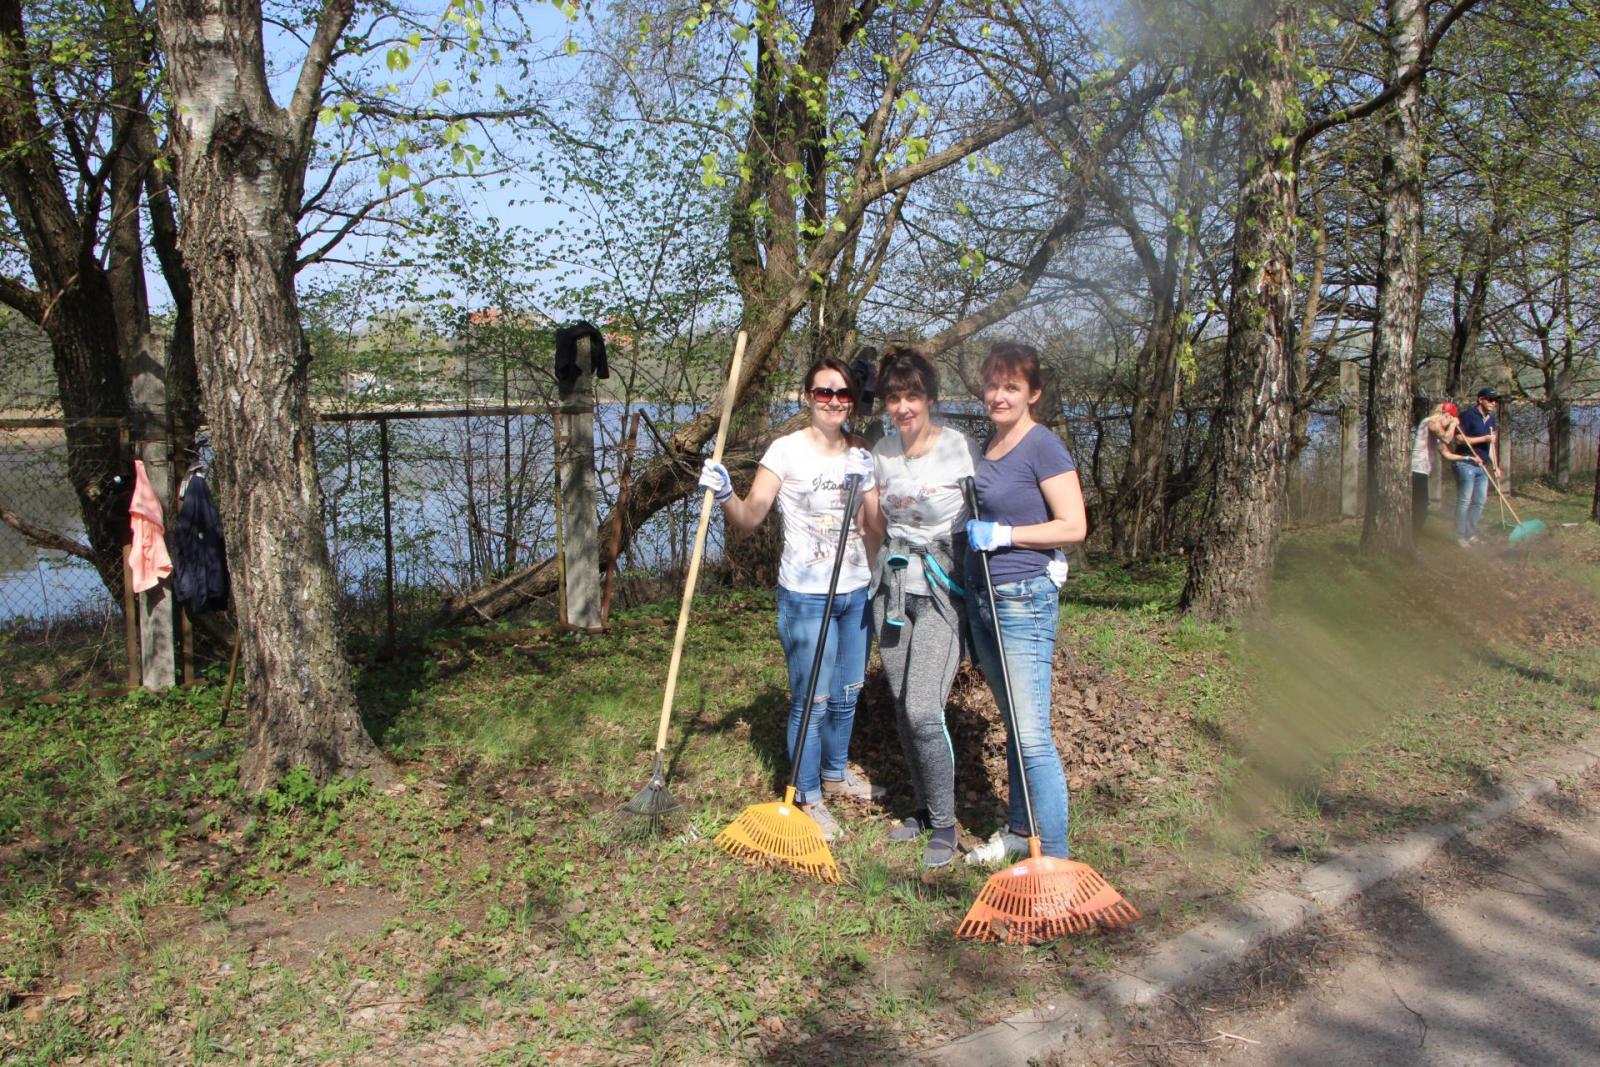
{"points": [[1030, 504]]}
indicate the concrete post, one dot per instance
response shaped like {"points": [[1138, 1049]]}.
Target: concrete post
{"points": [[1434, 387], [1349, 440], [1503, 451], [149, 392], [580, 520]]}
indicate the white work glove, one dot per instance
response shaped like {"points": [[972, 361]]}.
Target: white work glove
{"points": [[987, 536], [858, 462], [715, 477], [1057, 570]]}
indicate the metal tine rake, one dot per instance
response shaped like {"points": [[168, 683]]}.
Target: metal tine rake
{"points": [[654, 806]]}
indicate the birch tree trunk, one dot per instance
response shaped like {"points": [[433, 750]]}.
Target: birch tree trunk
{"points": [[1386, 529], [241, 163], [1231, 566]]}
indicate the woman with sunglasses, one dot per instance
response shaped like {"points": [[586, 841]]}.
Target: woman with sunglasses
{"points": [[917, 604], [805, 472], [1030, 504]]}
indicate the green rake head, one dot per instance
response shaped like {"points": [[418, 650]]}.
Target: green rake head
{"points": [[1527, 530]]}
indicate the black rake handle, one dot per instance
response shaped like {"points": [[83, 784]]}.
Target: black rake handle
{"points": [[852, 490], [969, 489]]}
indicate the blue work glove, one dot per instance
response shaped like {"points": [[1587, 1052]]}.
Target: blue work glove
{"points": [[714, 476], [858, 462], [987, 536]]}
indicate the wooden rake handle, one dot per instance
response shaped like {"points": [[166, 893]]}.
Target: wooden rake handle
{"points": [[707, 502]]}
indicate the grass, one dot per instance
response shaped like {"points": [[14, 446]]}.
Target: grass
{"points": [[485, 908]]}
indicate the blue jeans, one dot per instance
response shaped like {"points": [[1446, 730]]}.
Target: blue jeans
{"points": [[1472, 491], [1029, 613], [844, 664]]}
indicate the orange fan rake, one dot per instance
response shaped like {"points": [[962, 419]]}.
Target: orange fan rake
{"points": [[1043, 898]]}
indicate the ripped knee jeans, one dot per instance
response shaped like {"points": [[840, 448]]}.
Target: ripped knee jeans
{"points": [[844, 663]]}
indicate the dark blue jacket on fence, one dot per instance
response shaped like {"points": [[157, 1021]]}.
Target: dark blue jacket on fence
{"points": [[199, 555]]}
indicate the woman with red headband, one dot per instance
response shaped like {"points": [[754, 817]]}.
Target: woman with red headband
{"points": [[1434, 434]]}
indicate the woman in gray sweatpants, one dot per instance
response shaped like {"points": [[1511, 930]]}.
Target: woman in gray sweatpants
{"points": [[917, 606]]}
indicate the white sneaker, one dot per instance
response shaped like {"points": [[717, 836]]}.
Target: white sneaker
{"points": [[853, 787], [998, 850], [819, 813]]}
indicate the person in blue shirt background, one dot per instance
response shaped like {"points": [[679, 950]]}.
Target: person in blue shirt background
{"points": [[1477, 431]]}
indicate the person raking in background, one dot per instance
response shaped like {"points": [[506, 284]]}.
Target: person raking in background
{"points": [[1434, 433], [804, 473], [917, 605], [1030, 504], [1477, 432]]}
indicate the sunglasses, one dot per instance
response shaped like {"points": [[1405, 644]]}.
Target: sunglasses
{"points": [[822, 394]]}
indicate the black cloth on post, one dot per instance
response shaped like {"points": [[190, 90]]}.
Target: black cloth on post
{"points": [[567, 338], [864, 365], [199, 554]]}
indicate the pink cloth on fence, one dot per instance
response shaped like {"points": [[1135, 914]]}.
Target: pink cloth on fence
{"points": [[148, 560]]}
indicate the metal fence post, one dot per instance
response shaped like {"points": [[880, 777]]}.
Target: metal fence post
{"points": [[388, 538], [130, 620]]}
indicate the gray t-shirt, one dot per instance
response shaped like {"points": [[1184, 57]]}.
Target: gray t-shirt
{"points": [[921, 497], [1009, 493]]}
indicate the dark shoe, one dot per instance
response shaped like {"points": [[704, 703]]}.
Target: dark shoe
{"points": [[910, 828], [941, 848]]}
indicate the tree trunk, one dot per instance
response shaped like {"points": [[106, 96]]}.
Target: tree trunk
{"points": [[1386, 529], [1468, 304], [1142, 488], [1231, 567], [1594, 505], [1561, 442], [73, 302], [241, 163]]}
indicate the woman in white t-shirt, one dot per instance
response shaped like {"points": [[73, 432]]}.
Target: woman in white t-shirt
{"points": [[805, 472], [917, 605]]}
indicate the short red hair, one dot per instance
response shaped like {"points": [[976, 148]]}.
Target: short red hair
{"points": [[1013, 359]]}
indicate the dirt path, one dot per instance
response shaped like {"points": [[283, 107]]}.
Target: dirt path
{"points": [[1491, 957]]}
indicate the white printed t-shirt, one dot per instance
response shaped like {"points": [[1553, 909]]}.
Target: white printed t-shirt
{"points": [[811, 499], [921, 496]]}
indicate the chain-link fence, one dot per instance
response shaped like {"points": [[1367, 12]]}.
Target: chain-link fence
{"points": [[423, 505], [420, 504], [50, 576]]}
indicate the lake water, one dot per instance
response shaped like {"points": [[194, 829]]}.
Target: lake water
{"points": [[456, 518]]}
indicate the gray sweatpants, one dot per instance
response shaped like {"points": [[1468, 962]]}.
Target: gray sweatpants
{"points": [[920, 660]]}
